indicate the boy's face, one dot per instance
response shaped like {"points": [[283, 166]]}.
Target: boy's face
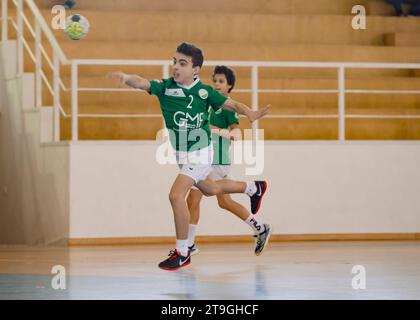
{"points": [[220, 84], [182, 69]]}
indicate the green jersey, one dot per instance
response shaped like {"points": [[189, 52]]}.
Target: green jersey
{"points": [[222, 119], [186, 111]]}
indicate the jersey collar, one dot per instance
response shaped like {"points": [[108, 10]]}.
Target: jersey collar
{"points": [[197, 80]]}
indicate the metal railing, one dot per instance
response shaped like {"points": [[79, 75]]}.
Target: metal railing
{"points": [[59, 59], [37, 31]]}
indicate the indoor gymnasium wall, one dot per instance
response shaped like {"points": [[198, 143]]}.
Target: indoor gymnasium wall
{"points": [[118, 190], [33, 176], [96, 189], [267, 30]]}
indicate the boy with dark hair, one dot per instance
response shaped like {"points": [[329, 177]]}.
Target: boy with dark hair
{"points": [[224, 82], [185, 102]]}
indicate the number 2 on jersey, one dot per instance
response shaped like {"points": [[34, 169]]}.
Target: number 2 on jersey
{"points": [[190, 104]]}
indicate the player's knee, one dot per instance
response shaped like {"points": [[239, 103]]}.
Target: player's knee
{"points": [[207, 193], [211, 191], [175, 197], [224, 204]]}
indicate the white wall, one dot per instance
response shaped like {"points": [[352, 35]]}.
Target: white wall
{"points": [[34, 180], [119, 190], [49, 192]]}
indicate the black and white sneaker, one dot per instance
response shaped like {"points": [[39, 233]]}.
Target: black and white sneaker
{"points": [[256, 198], [175, 261], [262, 239], [193, 250]]}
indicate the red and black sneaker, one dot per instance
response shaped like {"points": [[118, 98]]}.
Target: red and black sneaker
{"points": [[256, 198], [175, 261]]}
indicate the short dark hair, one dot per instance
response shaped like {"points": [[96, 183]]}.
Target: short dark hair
{"points": [[192, 51], [229, 74]]}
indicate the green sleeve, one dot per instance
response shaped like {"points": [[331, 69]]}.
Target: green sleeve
{"points": [[231, 118], [157, 87], [216, 100]]}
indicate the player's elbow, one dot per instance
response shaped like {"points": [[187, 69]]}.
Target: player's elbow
{"points": [[143, 84]]}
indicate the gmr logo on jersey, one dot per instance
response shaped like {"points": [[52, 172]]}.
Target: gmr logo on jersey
{"points": [[182, 118], [255, 224]]}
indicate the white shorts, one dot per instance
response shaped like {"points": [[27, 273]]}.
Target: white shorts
{"points": [[218, 172], [195, 164]]}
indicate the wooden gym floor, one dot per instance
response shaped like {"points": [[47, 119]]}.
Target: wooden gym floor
{"points": [[286, 270]]}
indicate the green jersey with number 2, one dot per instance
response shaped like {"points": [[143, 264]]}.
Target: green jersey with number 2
{"points": [[186, 111]]}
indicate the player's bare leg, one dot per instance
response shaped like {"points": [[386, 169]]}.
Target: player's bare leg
{"points": [[222, 188], [209, 187], [177, 196], [193, 201], [179, 257], [226, 202], [254, 189], [262, 232]]}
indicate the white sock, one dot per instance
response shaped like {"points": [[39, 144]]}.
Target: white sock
{"points": [[182, 247], [191, 234], [251, 188], [253, 223]]}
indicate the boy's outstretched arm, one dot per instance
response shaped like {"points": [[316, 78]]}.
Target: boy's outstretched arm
{"points": [[241, 108], [131, 80]]}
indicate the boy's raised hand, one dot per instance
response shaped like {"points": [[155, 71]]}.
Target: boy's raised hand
{"points": [[118, 75], [260, 113]]}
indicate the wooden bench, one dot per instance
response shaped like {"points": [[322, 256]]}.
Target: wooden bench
{"points": [[402, 39], [380, 8]]}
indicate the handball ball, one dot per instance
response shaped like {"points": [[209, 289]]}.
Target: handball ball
{"points": [[77, 27]]}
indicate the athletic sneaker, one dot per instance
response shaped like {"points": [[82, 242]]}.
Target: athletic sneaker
{"points": [[193, 250], [256, 198], [175, 261], [262, 239]]}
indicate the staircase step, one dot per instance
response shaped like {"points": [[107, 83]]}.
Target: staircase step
{"points": [[402, 39], [383, 129], [113, 128], [243, 28], [275, 129], [380, 8], [217, 6]]}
